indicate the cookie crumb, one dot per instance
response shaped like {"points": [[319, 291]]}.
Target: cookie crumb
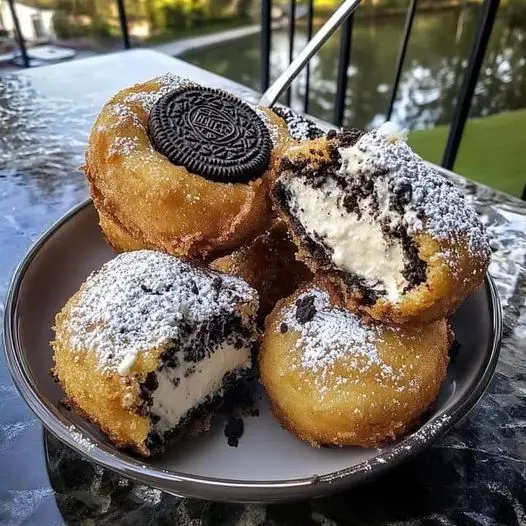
{"points": [[234, 431]]}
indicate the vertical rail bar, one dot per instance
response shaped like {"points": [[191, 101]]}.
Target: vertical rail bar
{"points": [[310, 14], [408, 26], [18, 33], [343, 66], [271, 95], [292, 25], [121, 8], [469, 82], [266, 9]]}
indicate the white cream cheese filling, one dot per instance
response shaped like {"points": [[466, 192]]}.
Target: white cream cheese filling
{"points": [[176, 393], [358, 245]]}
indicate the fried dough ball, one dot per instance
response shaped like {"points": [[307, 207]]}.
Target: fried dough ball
{"points": [[269, 264], [117, 237], [163, 205], [149, 345], [334, 379], [392, 236]]}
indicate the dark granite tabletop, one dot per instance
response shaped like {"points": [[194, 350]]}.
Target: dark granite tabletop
{"points": [[475, 475]]}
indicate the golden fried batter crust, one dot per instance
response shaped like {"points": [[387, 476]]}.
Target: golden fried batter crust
{"points": [[117, 237], [103, 397], [100, 392], [269, 264], [439, 296], [344, 404], [448, 282], [164, 205]]}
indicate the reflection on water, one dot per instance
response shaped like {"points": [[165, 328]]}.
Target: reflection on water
{"points": [[436, 58]]}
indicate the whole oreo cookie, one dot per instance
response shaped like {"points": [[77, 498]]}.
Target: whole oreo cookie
{"points": [[211, 133]]}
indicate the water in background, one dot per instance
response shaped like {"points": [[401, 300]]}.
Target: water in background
{"points": [[436, 58]]}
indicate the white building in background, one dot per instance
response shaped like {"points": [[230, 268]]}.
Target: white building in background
{"points": [[35, 24]]}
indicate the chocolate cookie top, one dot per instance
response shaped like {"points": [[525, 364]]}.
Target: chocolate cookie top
{"points": [[211, 133]]}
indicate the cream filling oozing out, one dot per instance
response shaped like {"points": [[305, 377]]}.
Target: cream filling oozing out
{"points": [[358, 245], [176, 394]]}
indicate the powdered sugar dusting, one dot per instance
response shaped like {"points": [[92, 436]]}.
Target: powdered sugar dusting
{"points": [[139, 300], [333, 334], [429, 430], [330, 333], [166, 83], [300, 128], [126, 112], [340, 348], [271, 127], [80, 439], [123, 145], [434, 205]]}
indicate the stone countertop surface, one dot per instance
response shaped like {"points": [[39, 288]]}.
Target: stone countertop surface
{"points": [[474, 475]]}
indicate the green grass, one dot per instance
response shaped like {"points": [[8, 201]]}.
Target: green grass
{"points": [[493, 150], [204, 28]]}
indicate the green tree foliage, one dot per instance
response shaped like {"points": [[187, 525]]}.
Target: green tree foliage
{"points": [[63, 27], [175, 15], [244, 8], [99, 27], [218, 8]]}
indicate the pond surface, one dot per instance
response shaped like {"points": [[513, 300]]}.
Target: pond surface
{"points": [[435, 62]]}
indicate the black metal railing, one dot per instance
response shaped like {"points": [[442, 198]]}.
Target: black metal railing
{"points": [[266, 22], [478, 48], [18, 34], [292, 26], [408, 26], [476, 57], [310, 16], [463, 104], [121, 8], [343, 66]]}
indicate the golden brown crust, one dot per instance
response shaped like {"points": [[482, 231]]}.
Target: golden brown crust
{"points": [[106, 345], [116, 235], [447, 284], [164, 205], [450, 279], [269, 264], [356, 408], [438, 297], [103, 397]]}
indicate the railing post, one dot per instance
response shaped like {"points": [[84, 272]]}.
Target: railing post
{"points": [[343, 66], [310, 13], [408, 26], [266, 11], [18, 33], [476, 57], [121, 8], [292, 25]]}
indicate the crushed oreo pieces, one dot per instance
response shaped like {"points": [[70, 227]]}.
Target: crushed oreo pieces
{"points": [[234, 430], [305, 309], [300, 127]]}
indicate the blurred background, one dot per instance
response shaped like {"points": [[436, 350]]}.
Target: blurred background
{"points": [[224, 36]]}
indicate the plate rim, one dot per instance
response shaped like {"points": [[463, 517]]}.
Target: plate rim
{"points": [[229, 490]]}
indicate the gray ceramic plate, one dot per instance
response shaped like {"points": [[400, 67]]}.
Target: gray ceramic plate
{"points": [[269, 464]]}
